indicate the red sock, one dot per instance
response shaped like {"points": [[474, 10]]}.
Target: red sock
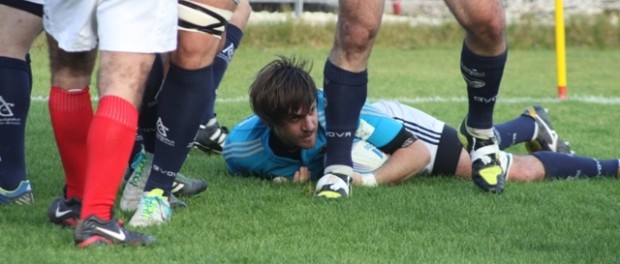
{"points": [[71, 113], [110, 140]]}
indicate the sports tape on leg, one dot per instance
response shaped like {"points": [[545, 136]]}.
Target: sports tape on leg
{"points": [[198, 17]]}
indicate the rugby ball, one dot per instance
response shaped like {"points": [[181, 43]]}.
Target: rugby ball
{"points": [[366, 157]]}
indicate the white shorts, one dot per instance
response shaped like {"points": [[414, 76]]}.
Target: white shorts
{"points": [[441, 140], [143, 26]]}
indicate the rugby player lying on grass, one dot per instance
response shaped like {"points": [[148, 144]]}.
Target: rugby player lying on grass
{"points": [[285, 138]]}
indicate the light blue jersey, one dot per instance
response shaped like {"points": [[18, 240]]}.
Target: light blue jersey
{"points": [[247, 151]]}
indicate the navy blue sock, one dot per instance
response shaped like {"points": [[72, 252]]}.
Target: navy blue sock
{"points": [[180, 106], [14, 105], [562, 166], [148, 108], [222, 59], [346, 94], [483, 76], [518, 130], [220, 65]]}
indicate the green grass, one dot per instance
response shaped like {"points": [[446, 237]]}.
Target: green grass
{"points": [[425, 220]]}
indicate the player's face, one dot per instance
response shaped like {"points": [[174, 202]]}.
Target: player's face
{"points": [[300, 129]]}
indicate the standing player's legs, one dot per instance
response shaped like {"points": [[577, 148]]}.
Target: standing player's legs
{"points": [[70, 108], [112, 131], [125, 60], [182, 101], [139, 165], [345, 85], [122, 76], [211, 136], [71, 112], [483, 57], [20, 24]]}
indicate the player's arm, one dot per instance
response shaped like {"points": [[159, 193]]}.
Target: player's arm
{"points": [[408, 156]]}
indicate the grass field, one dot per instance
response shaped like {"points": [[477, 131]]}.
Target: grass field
{"points": [[425, 220]]}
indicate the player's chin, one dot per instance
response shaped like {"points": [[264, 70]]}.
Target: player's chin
{"points": [[307, 142]]}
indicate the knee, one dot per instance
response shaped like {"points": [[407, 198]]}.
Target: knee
{"points": [[356, 37], [486, 29], [195, 54]]}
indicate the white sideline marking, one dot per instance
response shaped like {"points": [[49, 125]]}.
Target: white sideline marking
{"points": [[513, 100], [436, 99]]}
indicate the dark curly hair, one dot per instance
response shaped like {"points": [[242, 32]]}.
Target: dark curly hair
{"points": [[281, 88]]}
